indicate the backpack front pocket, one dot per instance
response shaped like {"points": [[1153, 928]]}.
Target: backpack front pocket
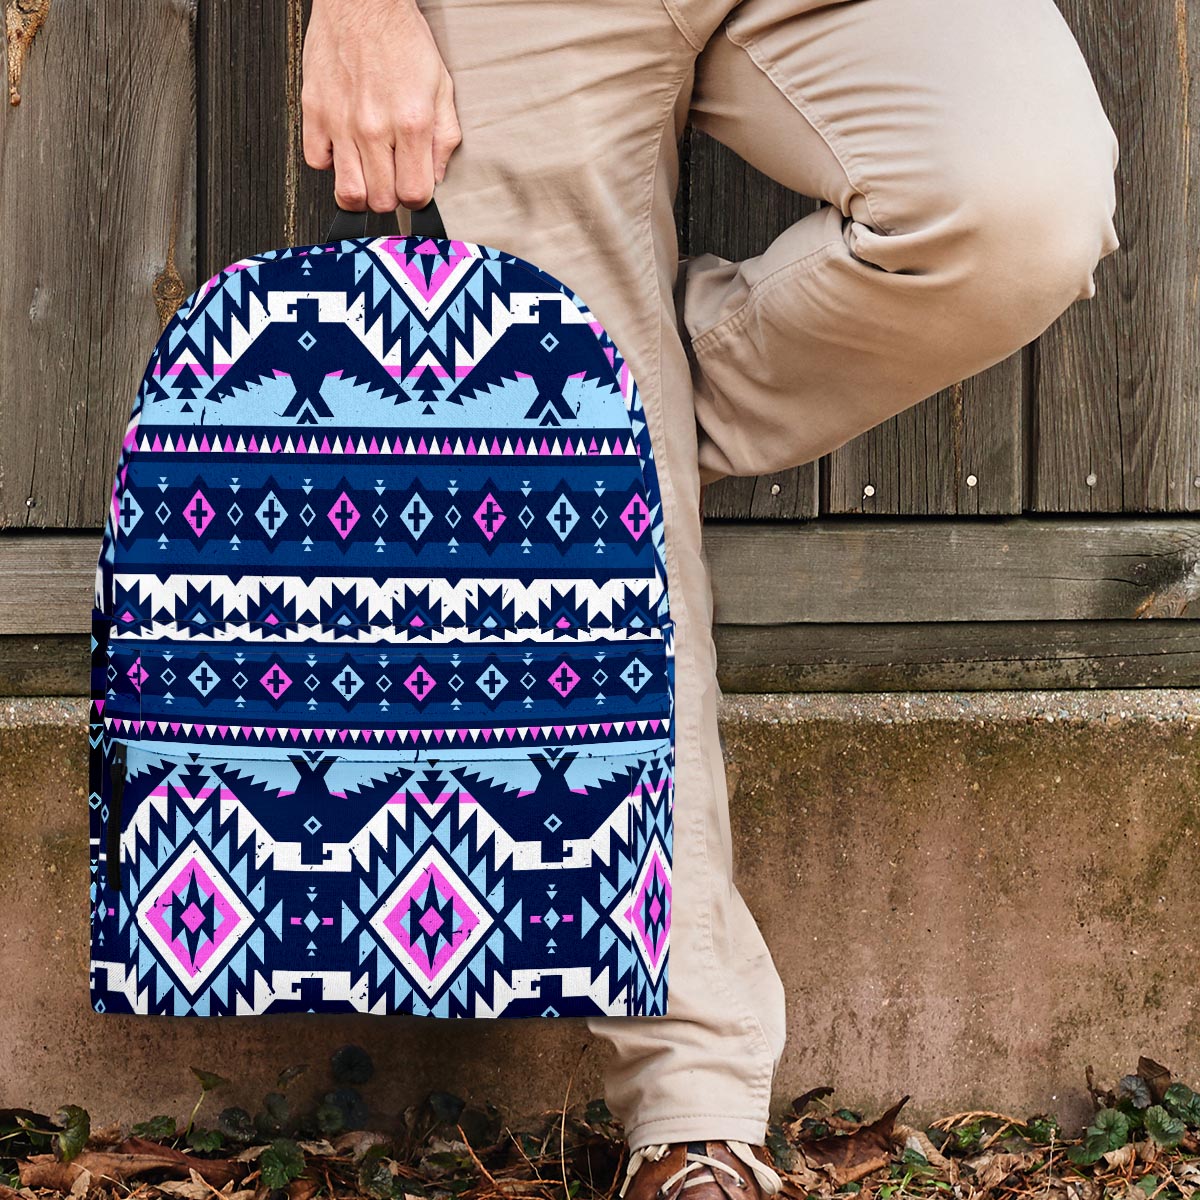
{"points": [[437, 881]]}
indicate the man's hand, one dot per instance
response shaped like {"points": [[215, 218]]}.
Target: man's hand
{"points": [[378, 103]]}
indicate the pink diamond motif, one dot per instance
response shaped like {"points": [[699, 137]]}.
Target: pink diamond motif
{"points": [[651, 909], [489, 516], [137, 673], [419, 682], [635, 516], [198, 513], [431, 921], [344, 515], [276, 680], [193, 919], [563, 679]]}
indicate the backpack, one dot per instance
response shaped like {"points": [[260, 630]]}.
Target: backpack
{"points": [[382, 680]]}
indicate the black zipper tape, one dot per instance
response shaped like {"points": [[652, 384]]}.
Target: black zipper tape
{"points": [[116, 768]]}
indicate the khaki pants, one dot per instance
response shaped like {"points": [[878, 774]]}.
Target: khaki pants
{"points": [[968, 169]]}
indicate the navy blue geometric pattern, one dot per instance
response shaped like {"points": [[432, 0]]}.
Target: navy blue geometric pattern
{"points": [[382, 652]]}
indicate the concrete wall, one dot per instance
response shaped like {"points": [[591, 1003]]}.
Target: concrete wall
{"points": [[971, 896]]}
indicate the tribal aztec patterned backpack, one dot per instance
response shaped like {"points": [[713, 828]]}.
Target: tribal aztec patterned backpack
{"points": [[382, 662]]}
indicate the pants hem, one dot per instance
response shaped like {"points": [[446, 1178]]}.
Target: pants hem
{"points": [[698, 1127]]}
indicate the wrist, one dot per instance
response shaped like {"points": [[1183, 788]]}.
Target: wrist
{"points": [[361, 9]]}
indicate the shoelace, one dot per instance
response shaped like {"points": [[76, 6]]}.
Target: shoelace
{"points": [[767, 1178]]}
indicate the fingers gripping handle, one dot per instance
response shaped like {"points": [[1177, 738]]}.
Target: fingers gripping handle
{"points": [[426, 223]]}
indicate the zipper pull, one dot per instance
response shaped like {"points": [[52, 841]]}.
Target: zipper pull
{"points": [[116, 774]]}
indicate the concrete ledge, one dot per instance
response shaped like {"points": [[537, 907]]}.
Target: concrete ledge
{"points": [[969, 895]]}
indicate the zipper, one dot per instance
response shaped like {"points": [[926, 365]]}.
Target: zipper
{"points": [[116, 769]]}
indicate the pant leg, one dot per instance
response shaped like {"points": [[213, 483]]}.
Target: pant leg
{"points": [[570, 112], [968, 167]]}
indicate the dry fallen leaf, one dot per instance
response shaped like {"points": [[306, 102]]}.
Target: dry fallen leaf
{"points": [[319, 1149], [918, 1139], [993, 1167], [45, 1171], [302, 1188], [356, 1142], [848, 1157], [1123, 1156], [1157, 1077], [186, 1189], [520, 1187]]}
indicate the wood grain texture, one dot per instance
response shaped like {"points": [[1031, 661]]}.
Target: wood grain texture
{"points": [[957, 656], [44, 665], [1117, 401], [97, 198], [47, 583], [957, 453], [1011, 568]]}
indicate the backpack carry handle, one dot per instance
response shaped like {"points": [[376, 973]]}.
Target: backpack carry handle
{"points": [[426, 223]]}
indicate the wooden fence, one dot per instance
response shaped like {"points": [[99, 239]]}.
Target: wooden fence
{"points": [[1014, 530]]}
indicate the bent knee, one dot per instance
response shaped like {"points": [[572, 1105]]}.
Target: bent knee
{"points": [[1013, 242], [1039, 234], [1018, 219]]}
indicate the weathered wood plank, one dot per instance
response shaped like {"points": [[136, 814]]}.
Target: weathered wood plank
{"points": [[243, 130], [958, 452], [1118, 382], [723, 191], [786, 495], [44, 665], [257, 193], [946, 570], [47, 583], [957, 656], [97, 207], [1007, 569]]}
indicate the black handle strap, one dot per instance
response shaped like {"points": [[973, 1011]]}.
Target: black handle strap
{"points": [[426, 223]]}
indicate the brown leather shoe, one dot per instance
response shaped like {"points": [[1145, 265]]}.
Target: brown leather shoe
{"points": [[701, 1171]]}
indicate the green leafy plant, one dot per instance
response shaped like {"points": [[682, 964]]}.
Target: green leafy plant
{"points": [[65, 1133], [352, 1065], [205, 1141], [273, 1116], [1135, 1090], [1043, 1129], [280, 1163], [236, 1124], [210, 1081], [1180, 1101], [967, 1137], [158, 1129], [1165, 1129], [74, 1127], [375, 1172], [1109, 1130]]}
